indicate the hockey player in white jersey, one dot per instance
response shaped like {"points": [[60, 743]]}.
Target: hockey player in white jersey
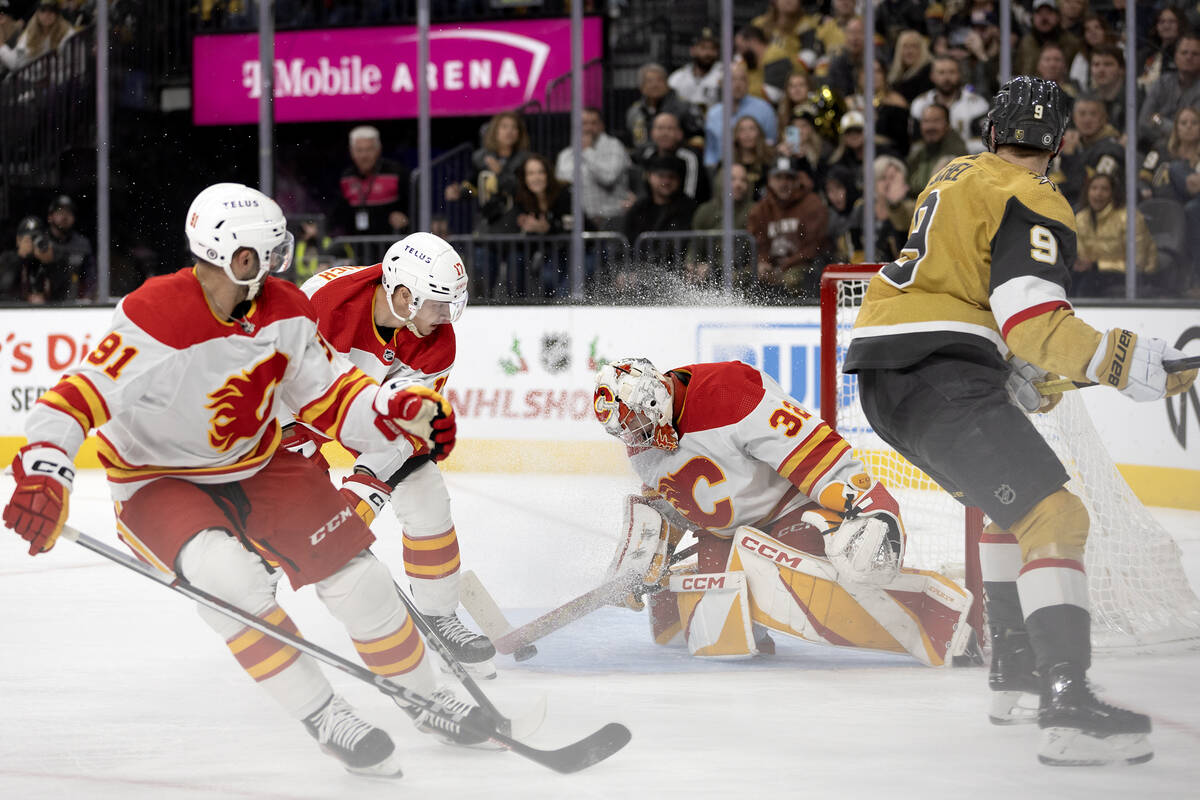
{"points": [[183, 392], [793, 533], [394, 321]]}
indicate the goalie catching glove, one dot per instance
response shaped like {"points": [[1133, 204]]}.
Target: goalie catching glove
{"points": [[417, 411], [1133, 365], [868, 547], [39, 504]]}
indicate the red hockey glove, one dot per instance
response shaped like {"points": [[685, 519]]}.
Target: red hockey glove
{"points": [[305, 441], [366, 494], [418, 411], [38, 508]]}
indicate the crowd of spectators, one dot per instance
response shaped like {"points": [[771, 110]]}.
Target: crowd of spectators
{"points": [[798, 141]]}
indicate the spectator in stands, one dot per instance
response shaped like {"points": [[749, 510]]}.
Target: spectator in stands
{"points": [[800, 138], [744, 105], [315, 251], [911, 65], [1159, 57], [893, 207], [791, 229], [750, 149], [704, 255], [1168, 173], [891, 112], [845, 215], [1099, 269], [1108, 82], [894, 16], [45, 31], [1089, 146], [846, 64], [1046, 27], [1096, 33], [373, 190], [604, 181], [751, 46], [831, 33], [939, 144], [1171, 92], [541, 207], [790, 29], [795, 94], [505, 146], [25, 271], [699, 81], [656, 98], [665, 208], [10, 28], [967, 109], [666, 139], [982, 43], [851, 147], [1052, 66], [74, 274]]}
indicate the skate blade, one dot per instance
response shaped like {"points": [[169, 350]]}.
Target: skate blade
{"points": [[386, 770], [520, 726], [1008, 708], [1070, 747], [480, 670]]}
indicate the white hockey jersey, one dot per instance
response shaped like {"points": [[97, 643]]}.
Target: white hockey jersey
{"points": [[748, 453], [173, 390]]}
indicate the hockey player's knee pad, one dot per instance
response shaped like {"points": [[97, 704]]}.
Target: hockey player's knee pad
{"points": [[422, 502], [213, 560], [1057, 527], [362, 596]]}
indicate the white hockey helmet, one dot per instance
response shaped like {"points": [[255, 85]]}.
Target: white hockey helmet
{"points": [[430, 269], [227, 217], [634, 402]]}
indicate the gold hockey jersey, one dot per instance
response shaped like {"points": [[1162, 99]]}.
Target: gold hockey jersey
{"points": [[986, 266]]}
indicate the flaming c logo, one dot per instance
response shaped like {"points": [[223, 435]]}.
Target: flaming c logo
{"points": [[603, 404], [679, 490], [243, 404]]}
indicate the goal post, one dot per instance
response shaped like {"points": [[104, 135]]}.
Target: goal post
{"points": [[1139, 595]]}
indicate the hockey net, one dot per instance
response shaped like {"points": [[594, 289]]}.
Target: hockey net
{"points": [[1140, 596]]}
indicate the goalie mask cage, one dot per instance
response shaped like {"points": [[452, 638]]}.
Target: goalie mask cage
{"points": [[1139, 594]]}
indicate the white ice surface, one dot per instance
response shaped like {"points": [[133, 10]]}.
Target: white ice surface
{"points": [[112, 687]]}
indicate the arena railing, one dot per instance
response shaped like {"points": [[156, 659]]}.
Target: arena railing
{"points": [[695, 252]]}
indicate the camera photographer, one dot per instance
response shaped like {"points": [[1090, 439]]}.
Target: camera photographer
{"points": [[25, 271]]}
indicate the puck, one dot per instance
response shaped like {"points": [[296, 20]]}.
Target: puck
{"points": [[524, 653]]}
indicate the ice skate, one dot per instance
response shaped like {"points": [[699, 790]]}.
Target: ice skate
{"points": [[361, 747], [473, 650], [447, 724], [1078, 730], [1015, 686]]}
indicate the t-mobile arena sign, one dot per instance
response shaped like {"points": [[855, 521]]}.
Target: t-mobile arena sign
{"points": [[369, 73]]}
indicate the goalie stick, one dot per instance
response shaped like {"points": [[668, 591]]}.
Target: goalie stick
{"points": [[483, 609], [572, 758], [1066, 384]]}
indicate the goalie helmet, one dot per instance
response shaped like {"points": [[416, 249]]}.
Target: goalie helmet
{"points": [[430, 269], [1027, 111], [634, 402], [227, 217]]}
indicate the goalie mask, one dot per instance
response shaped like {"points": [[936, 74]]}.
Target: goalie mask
{"points": [[633, 402], [432, 272]]}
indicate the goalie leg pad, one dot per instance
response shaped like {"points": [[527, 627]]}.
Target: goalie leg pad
{"points": [[715, 611], [795, 593], [216, 562]]}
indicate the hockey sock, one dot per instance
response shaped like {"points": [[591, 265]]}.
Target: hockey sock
{"points": [[432, 565], [1054, 595], [1000, 563]]}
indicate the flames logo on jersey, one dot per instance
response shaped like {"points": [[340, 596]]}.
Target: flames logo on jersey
{"points": [[243, 404], [679, 489]]}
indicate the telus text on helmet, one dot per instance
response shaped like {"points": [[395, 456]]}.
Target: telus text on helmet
{"points": [[417, 254], [240, 204]]}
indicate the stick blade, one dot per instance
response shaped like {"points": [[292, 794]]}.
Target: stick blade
{"points": [[587, 751]]}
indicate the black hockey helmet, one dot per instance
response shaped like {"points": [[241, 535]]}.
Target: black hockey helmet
{"points": [[1027, 111]]}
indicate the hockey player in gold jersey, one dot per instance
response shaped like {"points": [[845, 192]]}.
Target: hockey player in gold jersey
{"points": [[982, 279]]}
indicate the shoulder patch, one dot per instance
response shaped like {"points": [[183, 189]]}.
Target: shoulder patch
{"points": [[719, 394]]}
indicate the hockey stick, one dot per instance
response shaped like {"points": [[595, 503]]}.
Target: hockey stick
{"points": [[1066, 384], [576, 756], [514, 639]]}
